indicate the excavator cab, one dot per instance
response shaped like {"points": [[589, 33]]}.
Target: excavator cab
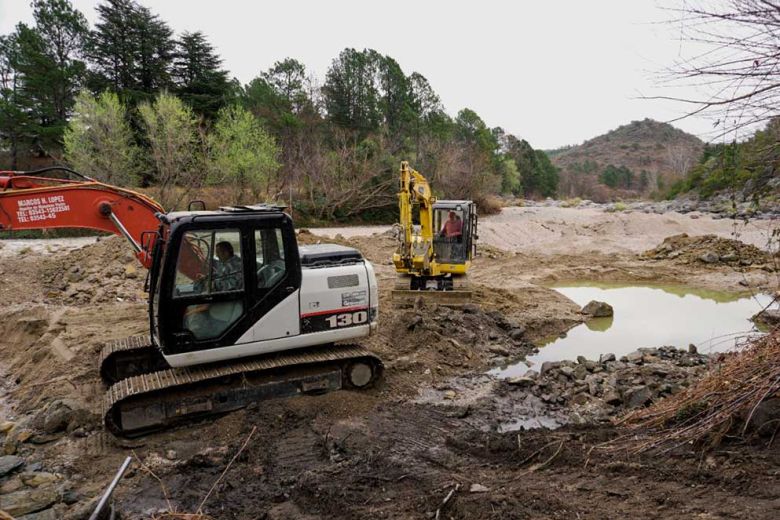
{"points": [[216, 274], [455, 225]]}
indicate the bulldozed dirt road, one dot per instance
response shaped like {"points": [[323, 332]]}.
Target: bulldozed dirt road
{"points": [[433, 430]]}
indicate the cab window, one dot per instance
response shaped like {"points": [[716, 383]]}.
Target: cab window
{"points": [[269, 258], [209, 262]]}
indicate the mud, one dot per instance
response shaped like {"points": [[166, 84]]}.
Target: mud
{"points": [[437, 425]]}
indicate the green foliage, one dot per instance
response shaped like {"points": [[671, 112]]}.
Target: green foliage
{"points": [[171, 129], [735, 166], [131, 51], [16, 124], [617, 177], [98, 140], [242, 155], [200, 82], [510, 177], [42, 73], [538, 175]]}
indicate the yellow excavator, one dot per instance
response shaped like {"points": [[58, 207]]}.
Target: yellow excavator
{"points": [[436, 254]]}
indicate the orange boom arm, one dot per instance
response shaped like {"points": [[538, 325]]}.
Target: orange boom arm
{"points": [[28, 201]]}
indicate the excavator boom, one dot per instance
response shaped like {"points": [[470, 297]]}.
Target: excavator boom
{"points": [[31, 201]]}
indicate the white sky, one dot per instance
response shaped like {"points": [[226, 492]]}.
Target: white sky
{"points": [[554, 73]]}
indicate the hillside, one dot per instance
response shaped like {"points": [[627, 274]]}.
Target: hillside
{"points": [[633, 160]]}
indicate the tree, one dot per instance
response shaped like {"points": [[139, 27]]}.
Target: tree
{"points": [[199, 78], [50, 61], [131, 51], [738, 69], [98, 141], [287, 78], [172, 133], [350, 92], [510, 177], [16, 131], [242, 155]]}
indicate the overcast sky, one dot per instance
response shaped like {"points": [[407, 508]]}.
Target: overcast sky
{"points": [[554, 73]]}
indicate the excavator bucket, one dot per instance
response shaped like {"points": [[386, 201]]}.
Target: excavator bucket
{"points": [[457, 295], [455, 298]]}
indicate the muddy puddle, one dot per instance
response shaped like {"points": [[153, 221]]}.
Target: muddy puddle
{"points": [[648, 316]]}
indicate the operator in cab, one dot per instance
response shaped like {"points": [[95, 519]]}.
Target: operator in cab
{"points": [[453, 227], [228, 275]]}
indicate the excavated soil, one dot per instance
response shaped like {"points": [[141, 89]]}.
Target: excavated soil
{"points": [[435, 440]]}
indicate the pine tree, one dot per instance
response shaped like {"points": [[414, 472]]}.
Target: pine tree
{"points": [[49, 69], [15, 120], [131, 50], [199, 78]]}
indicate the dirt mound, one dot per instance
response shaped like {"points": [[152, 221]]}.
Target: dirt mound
{"points": [[707, 249], [437, 341], [105, 271]]}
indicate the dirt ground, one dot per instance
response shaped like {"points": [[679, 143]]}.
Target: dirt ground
{"points": [[431, 430]]}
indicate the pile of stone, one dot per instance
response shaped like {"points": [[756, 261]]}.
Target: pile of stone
{"points": [[598, 390], [106, 271], [27, 490], [709, 249]]}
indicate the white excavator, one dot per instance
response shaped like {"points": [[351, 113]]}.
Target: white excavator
{"points": [[238, 312]]}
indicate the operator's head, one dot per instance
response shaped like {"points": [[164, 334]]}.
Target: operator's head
{"points": [[452, 215], [224, 251]]}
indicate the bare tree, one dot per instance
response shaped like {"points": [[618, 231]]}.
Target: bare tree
{"points": [[737, 68]]}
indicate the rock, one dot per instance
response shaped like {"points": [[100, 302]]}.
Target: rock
{"points": [[709, 257], [637, 396], [171, 455], [28, 501], [517, 333], [692, 349], [76, 274], [567, 371], [46, 514], [416, 320], [69, 496], [499, 350], [547, 366], [598, 309], [635, 357], [470, 308], [478, 488], [582, 360], [131, 271], [9, 463], [6, 426], [38, 478], [611, 396], [3, 514], [450, 394], [769, 317], [580, 372], [521, 381], [604, 358]]}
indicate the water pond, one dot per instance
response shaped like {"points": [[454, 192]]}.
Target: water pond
{"points": [[648, 316]]}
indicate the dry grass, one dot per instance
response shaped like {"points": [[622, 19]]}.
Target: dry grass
{"points": [[719, 405]]}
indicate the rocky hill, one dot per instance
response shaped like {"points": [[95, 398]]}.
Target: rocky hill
{"points": [[633, 160]]}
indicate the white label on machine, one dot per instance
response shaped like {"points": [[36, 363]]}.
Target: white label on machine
{"points": [[41, 208], [354, 298]]}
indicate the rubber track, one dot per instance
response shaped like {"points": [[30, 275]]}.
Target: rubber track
{"points": [[139, 342], [177, 377]]}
